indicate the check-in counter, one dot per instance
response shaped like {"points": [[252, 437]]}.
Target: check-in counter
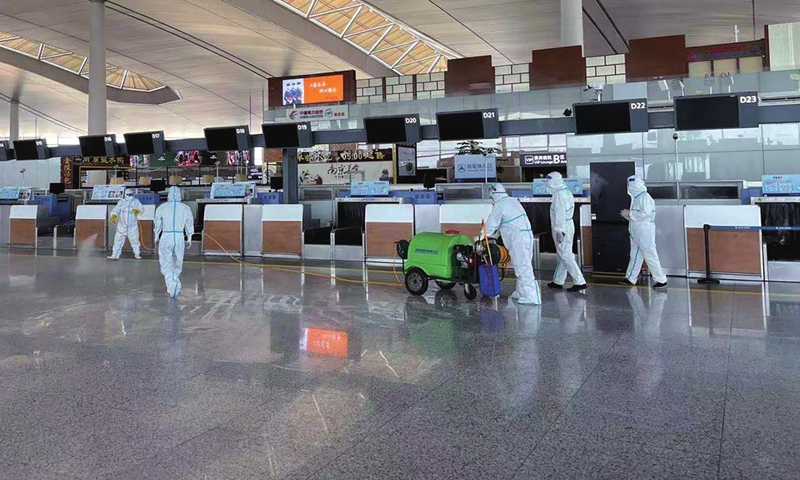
{"points": [[735, 254], [385, 225], [22, 225], [426, 218], [670, 239], [222, 229], [90, 226], [282, 229], [5, 224], [465, 218]]}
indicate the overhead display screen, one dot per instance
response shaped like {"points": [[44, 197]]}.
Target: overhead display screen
{"points": [[98, 145], [713, 112], [228, 139], [470, 125], [611, 117], [397, 129], [311, 90], [145, 143], [3, 151], [287, 135], [31, 149]]}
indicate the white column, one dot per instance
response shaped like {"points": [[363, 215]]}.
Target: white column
{"points": [[97, 68], [571, 23], [13, 127]]}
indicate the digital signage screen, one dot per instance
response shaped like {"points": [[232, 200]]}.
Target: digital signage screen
{"points": [[313, 90]]}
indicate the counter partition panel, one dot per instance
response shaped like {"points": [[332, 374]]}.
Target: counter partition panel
{"points": [[23, 226], [734, 253], [90, 226], [282, 227], [222, 229], [384, 225], [464, 218]]}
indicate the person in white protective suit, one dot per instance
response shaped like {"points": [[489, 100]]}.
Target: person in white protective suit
{"points": [[509, 218], [562, 209], [173, 220], [642, 227], [126, 215]]}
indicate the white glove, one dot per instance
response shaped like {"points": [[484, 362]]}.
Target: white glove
{"points": [[626, 214], [560, 236], [189, 243], [156, 242]]}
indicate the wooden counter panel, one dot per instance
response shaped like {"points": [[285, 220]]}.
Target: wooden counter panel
{"points": [[282, 237], [731, 251], [84, 229], [381, 237], [469, 229], [22, 231], [586, 244], [227, 233], [146, 236]]}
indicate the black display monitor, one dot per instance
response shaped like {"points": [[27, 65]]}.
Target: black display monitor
{"points": [[98, 145], [227, 139], [715, 112], [395, 129], [3, 150], [56, 188], [611, 117], [158, 185], [146, 143], [287, 135], [31, 149], [468, 125], [276, 183]]}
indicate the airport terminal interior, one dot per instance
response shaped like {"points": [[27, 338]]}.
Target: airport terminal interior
{"points": [[399, 239]]}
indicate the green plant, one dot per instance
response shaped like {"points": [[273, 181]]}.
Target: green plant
{"points": [[473, 147]]}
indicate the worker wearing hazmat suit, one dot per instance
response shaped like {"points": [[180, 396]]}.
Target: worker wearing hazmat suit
{"points": [[508, 218], [126, 215], [173, 220], [562, 209], [642, 227]]}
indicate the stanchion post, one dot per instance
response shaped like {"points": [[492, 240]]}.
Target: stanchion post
{"points": [[708, 280]]}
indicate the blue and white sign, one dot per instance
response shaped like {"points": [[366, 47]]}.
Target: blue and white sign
{"points": [[108, 192], [780, 184], [369, 189], [228, 190], [474, 167], [9, 193], [575, 186]]}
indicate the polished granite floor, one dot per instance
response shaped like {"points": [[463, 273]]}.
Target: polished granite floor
{"points": [[285, 372]]}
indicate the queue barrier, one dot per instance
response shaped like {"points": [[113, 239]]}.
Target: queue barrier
{"points": [[707, 228]]}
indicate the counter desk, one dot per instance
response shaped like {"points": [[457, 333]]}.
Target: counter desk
{"points": [[464, 218], [23, 228], [90, 226], [281, 227], [386, 224], [222, 229]]}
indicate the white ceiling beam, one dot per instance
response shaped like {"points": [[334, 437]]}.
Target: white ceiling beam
{"points": [[384, 25], [399, 45], [381, 39], [335, 10], [433, 65], [350, 23], [418, 61], [404, 54], [311, 8]]}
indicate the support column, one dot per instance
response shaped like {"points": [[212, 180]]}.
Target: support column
{"points": [[13, 127], [97, 68], [291, 176], [571, 23]]}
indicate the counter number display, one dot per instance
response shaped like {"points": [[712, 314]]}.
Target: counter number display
{"points": [[287, 135], [31, 149], [227, 139], [394, 129], [145, 143], [715, 112], [622, 116], [468, 125], [99, 145]]}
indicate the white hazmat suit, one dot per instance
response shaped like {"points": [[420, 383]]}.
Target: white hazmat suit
{"points": [[509, 218], [126, 215], [642, 228], [173, 220], [562, 210]]}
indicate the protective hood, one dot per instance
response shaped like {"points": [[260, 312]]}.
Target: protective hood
{"points": [[174, 194], [129, 193], [498, 191], [555, 182], [636, 185]]}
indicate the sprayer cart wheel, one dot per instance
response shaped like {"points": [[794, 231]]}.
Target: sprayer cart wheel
{"points": [[416, 282], [470, 291]]}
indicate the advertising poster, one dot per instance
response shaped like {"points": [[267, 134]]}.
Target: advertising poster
{"points": [[342, 173], [324, 156], [311, 90], [183, 158], [474, 167], [108, 192]]}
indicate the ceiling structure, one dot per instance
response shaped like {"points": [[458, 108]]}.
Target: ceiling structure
{"points": [[218, 54]]}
